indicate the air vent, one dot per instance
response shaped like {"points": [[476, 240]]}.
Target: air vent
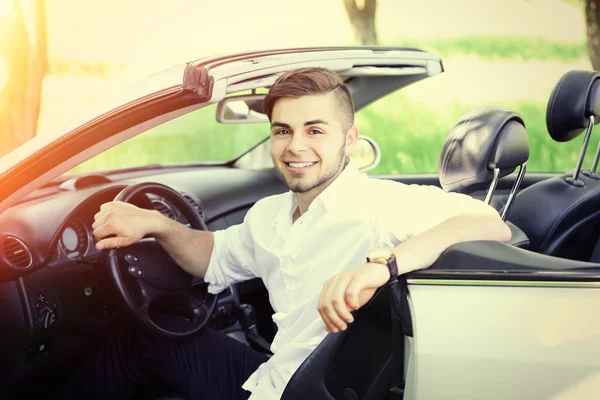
{"points": [[162, 207], [17, 253], [194, 204]]}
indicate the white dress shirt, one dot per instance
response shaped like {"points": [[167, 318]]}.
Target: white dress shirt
{"points": [[351, 217]]}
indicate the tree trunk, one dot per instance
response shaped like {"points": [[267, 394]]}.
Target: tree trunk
{"points": [[363, 21], [592, 20], [26, 58]]}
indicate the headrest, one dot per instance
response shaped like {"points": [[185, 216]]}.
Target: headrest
{"points": [[484, 138], [574, 98]]}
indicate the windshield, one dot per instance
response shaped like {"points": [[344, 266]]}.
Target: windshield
{"points": [[74, 119], [195, 137]]}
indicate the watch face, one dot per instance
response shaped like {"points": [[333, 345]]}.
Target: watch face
{"points": [[381, 254]]}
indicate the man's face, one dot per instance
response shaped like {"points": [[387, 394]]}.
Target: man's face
{"points": [[308, 142]]}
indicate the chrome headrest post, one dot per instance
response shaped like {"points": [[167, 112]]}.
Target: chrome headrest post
{"points": [[490, 193], [514, 191], [586, 141], [596, 159]]}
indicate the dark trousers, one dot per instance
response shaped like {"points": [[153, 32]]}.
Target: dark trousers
{"points": [[209, 366]]}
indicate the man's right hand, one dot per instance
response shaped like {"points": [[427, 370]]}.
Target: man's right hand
{"points": [[125, 224], [120, 224]]}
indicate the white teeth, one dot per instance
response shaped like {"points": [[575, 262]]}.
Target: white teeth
{"points": [[300, 165]]}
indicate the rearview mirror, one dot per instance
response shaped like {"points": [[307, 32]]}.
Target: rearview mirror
{"points": [[366, 154], [243, 109]]}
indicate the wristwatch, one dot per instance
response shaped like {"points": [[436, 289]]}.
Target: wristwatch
{"points": [[385, 255]]}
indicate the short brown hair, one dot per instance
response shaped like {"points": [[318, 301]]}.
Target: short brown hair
{"points": [[311, 81]]}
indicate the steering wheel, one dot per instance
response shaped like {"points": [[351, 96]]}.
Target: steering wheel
{"points": [[149, 280]]}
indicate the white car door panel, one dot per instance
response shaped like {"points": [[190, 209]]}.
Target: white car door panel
{"points": [[504, 340]]}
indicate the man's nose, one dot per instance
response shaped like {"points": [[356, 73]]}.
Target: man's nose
{"points": [[297, 143]]}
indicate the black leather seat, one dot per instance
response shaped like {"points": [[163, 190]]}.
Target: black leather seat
{"points": [[561, 215], [357, 363], [487, 144]]}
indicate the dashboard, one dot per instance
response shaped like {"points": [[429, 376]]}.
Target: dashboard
{"points": [[75, 241], [56, 296]]}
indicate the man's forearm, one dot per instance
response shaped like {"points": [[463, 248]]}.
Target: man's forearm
{"points": [[191, 249], [353, 289], [422, 250]]}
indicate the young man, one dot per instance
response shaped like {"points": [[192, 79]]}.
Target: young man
{"points": [[308, 246]]}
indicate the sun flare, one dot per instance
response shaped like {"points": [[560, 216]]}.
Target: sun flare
{"points": [[3, 73], [7, 9]]}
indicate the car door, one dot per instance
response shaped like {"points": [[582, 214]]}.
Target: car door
{"points": [[491, 321]]}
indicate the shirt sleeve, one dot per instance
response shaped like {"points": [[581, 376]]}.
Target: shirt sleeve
{"points": [[232, 259], [408, 210]]}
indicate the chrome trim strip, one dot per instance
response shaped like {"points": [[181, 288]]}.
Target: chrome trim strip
{"points": [[460, 282]]}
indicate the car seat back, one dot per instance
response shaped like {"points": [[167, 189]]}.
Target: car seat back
{"points": [[559, 215], [485, 145]]}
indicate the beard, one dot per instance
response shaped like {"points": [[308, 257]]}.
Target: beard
{"points": [[297, 183]]}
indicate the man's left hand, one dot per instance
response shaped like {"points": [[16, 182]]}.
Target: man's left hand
{"points": [[349, 291]]}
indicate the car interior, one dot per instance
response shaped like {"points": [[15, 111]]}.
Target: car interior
{"points": [[560, 215], [59, 296]]}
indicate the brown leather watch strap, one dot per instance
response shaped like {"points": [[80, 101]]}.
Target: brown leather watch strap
{"points": [[392, 265]]}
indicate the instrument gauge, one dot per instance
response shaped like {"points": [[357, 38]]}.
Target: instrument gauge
{"points": [[74, 239]]}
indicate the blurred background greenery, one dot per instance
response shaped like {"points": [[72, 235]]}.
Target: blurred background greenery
{"points": [[508, 53]]}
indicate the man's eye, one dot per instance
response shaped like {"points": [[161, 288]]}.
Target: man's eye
{"points": [[315, 132], [282, 132]]}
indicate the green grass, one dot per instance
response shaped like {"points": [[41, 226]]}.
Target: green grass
{"points": [[501, 47]]}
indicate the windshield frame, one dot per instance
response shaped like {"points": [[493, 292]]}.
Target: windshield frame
{"points": [[60, 155], [169, 80]]}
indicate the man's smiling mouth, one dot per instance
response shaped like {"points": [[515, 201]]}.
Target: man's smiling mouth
{"points": [[300, 164]]}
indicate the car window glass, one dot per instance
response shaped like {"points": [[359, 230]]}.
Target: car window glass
{"points": [[191, 138]]}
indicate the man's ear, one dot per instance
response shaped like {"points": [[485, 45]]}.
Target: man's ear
{"points": [[351, 139]]}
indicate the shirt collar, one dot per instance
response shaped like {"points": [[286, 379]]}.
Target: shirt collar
{"points": [[339, 188], [329, 198]]}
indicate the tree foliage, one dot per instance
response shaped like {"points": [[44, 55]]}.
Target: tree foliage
{"points": [[24, 53], [592, 22]]}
